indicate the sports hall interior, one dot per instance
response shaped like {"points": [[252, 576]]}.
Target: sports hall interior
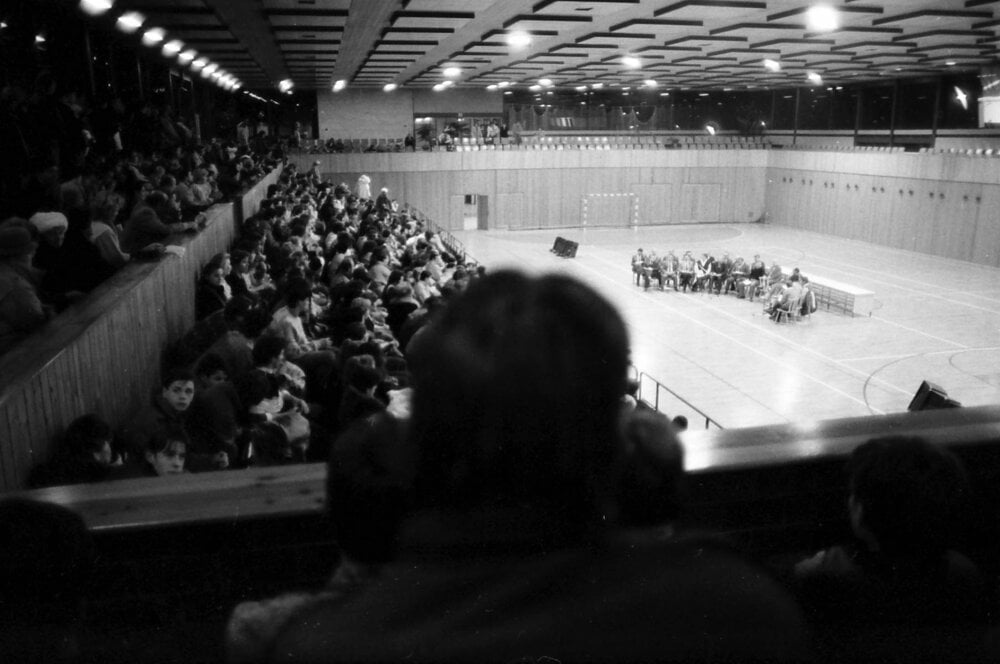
{"points": [[845, 179]]}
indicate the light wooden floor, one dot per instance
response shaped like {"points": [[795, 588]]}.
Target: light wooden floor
{"points": [[935, 319]]}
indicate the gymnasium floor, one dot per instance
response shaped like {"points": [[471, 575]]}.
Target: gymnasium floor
{"points": [[935, 319]]}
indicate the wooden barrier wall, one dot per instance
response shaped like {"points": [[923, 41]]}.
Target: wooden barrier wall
{"points": [[529, 189], [945, 205], [102, 355]]}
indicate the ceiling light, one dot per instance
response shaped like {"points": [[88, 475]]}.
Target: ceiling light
{"points": [[129, 22], [199, 63], [814, 78], [39, 38], [545, 82], [389, 87], [631, 62], [772, 65], [439, 87], [491, 87], [205, 73], [153, 36], [452, 72], [650, 83], [508, 92], [447, 84], [518, 39], [580, 88], [710, 129], [96, 7], [597, 86], [285, 85], [822, 18], [187, 56], [216, 75], [961, 97], [209, 68], [503, 84], [237, 85], [172, 47], [951, 63], [535, 88]]}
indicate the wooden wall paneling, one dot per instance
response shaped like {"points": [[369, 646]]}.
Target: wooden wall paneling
{"points": [[986, 246], [509, 211], [652, 200], [901, 223], [960, 222], [10, 436]]}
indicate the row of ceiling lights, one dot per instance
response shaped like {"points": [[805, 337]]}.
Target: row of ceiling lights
{"points": [[131, 22], [819, 18]]}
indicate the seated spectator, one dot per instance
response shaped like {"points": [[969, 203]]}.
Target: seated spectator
{"points": [[85, 454], [166, 453], [51, 228], [152, 222], [21, 309], [898, 592], [210, 296], [502, 503], [47, 560], [168, 410], [361, 377], [78, 265], [104, 234]]}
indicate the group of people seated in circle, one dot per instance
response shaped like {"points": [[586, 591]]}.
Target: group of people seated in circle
{"points": [[302, 328], [783, 295]]}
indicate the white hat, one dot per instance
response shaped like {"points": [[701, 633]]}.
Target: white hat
{"points": [[46, 221]]}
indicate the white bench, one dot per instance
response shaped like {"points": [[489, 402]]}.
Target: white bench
{"points": [[838, 296]]}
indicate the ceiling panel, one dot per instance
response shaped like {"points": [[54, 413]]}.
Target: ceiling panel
{"points": [[715, 42]]}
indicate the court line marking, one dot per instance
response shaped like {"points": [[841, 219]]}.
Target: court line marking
{"points": [[740, 343], [950, 351]]}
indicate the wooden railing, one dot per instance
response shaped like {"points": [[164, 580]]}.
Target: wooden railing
{"points": [[102, 354]]}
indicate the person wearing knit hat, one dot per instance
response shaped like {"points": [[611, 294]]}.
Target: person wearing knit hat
{"points": [[21, 311]]}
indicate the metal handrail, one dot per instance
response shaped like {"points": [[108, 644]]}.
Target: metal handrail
{"points": [[655, 405], [450, 242]]}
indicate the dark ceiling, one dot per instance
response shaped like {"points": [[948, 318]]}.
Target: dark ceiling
{"points": [[708, 44]]}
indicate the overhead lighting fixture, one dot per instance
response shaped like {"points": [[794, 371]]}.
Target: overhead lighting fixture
{"points": [[597, 86], [438, 87], [772, 65], [129, 22], [491, 87], [518, 39], [710, 129], [650, 83], [951, 63], [447, 84], [822, 18], [535, 88], [389, 87], [508, 92], [217, 75], [199, 63], [814, 78], [96, 7], [172, 47], [631, 62], [545, 82], [452, 72], [339, 85], [153, 36], [581, 88], [209, 68], [285, 85], [237, 85], [39, 39], [187, 56], [503, 84]]}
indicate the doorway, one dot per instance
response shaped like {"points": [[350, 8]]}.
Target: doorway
{"points": [[475, 212]]}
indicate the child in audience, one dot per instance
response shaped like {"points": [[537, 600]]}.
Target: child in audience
{"points": [[168, 410], [898, 592], [85, 455], [166, 453]]}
